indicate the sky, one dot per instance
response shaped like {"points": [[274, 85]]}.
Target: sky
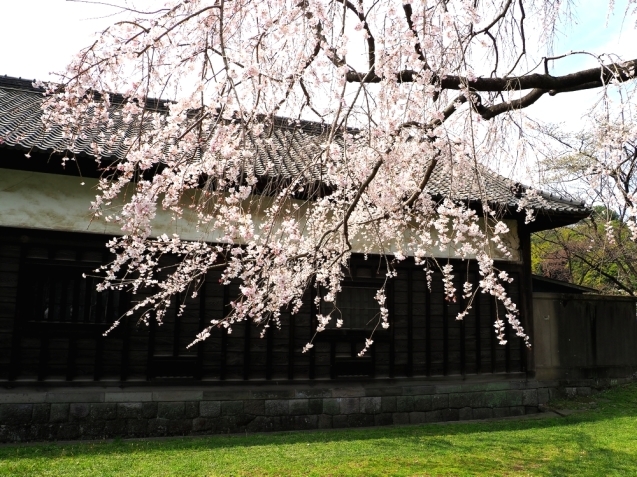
{"points": [[39, 36], [596, 31]]}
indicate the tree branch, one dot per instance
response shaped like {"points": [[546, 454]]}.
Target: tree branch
{"points": [[499, 17], [330, 51], [489, 112], [410, 23], [448, 111], [371, 42], [605, 274], [585, 79]]}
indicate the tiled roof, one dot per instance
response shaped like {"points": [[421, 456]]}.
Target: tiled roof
{"points": [[290, 153]]}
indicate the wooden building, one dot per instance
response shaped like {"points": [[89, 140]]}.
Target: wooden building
{"points": [[52, 320]]}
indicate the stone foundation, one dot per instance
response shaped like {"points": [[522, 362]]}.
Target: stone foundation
{"points": [[90, 413]]}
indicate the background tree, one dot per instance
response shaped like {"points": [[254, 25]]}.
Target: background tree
{"points": [[402, 89], [589, 254], [600, 251]]}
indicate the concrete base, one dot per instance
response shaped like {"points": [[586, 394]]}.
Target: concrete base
{"points": [[97, 413]]}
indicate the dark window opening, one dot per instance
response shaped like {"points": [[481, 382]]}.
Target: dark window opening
{"points": [[356, 306], [58, 293]]}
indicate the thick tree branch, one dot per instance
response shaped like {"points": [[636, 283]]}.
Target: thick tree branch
{"points": [[585, 79], [489, 112]]}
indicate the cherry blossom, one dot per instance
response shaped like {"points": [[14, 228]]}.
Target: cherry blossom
{"points": [[397, 90]]}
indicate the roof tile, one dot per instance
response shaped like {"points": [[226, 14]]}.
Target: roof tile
{"points": [[290, 153]]}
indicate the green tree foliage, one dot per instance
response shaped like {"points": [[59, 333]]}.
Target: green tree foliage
{"points": [[596, 252]]}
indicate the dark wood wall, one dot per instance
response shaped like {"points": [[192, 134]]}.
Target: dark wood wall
{"points": [[60, 338]]}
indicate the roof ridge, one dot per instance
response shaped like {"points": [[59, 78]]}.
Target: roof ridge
{"points": [[560, 198], [19, 83], [524, 188]]}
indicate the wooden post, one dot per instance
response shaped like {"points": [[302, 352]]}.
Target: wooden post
{"points": [[410, 323]]}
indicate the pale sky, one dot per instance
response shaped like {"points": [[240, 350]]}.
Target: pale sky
{"points": [[39, 36]]}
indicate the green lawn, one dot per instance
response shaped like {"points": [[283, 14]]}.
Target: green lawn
{"points": [[600, 440]]}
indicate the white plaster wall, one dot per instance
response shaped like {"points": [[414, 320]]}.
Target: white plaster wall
{"points": [[54, 202], [37, 200]]}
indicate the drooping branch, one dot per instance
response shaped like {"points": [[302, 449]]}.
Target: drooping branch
{"points": [[447, 112], [371, 42], [330, 51], [344, 221], [265, 51], [408, 14], [175, 25], [499, 17]]}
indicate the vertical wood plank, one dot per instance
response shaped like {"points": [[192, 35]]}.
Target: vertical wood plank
{"points": [[478, 314], [43, 359], [392, 327], [62, 281], [177, 329], [21, 300], [99, 358], [76, 299], [332, 359], [445, 336], [224, 335], [44, 341], [313, 312], [427, 331], [507, 347], [373, 356], [526, 298], [125, 362], [493, 315], [100, 315], [99, 339], [246, 350], [463, 325], [150, 367], [71, 358], [463, 348], [410, 323], [88, 290], [269, 351], [291, 345], [202, 324], [592, 313], [50, 310]]}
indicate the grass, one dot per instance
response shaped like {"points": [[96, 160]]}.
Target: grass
{"points": [[601, 439]]}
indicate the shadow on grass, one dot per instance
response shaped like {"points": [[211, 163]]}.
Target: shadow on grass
{"points": [[590, 458], [615, 403]]}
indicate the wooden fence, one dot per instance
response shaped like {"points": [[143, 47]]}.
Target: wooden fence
{"points": [[52, 323]]}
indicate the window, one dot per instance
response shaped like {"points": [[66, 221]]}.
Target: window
{"points": [[62, 318], [356, 306], [59, 294]]}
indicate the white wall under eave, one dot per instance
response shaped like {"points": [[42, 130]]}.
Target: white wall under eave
{"points": [[36, 200]]}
